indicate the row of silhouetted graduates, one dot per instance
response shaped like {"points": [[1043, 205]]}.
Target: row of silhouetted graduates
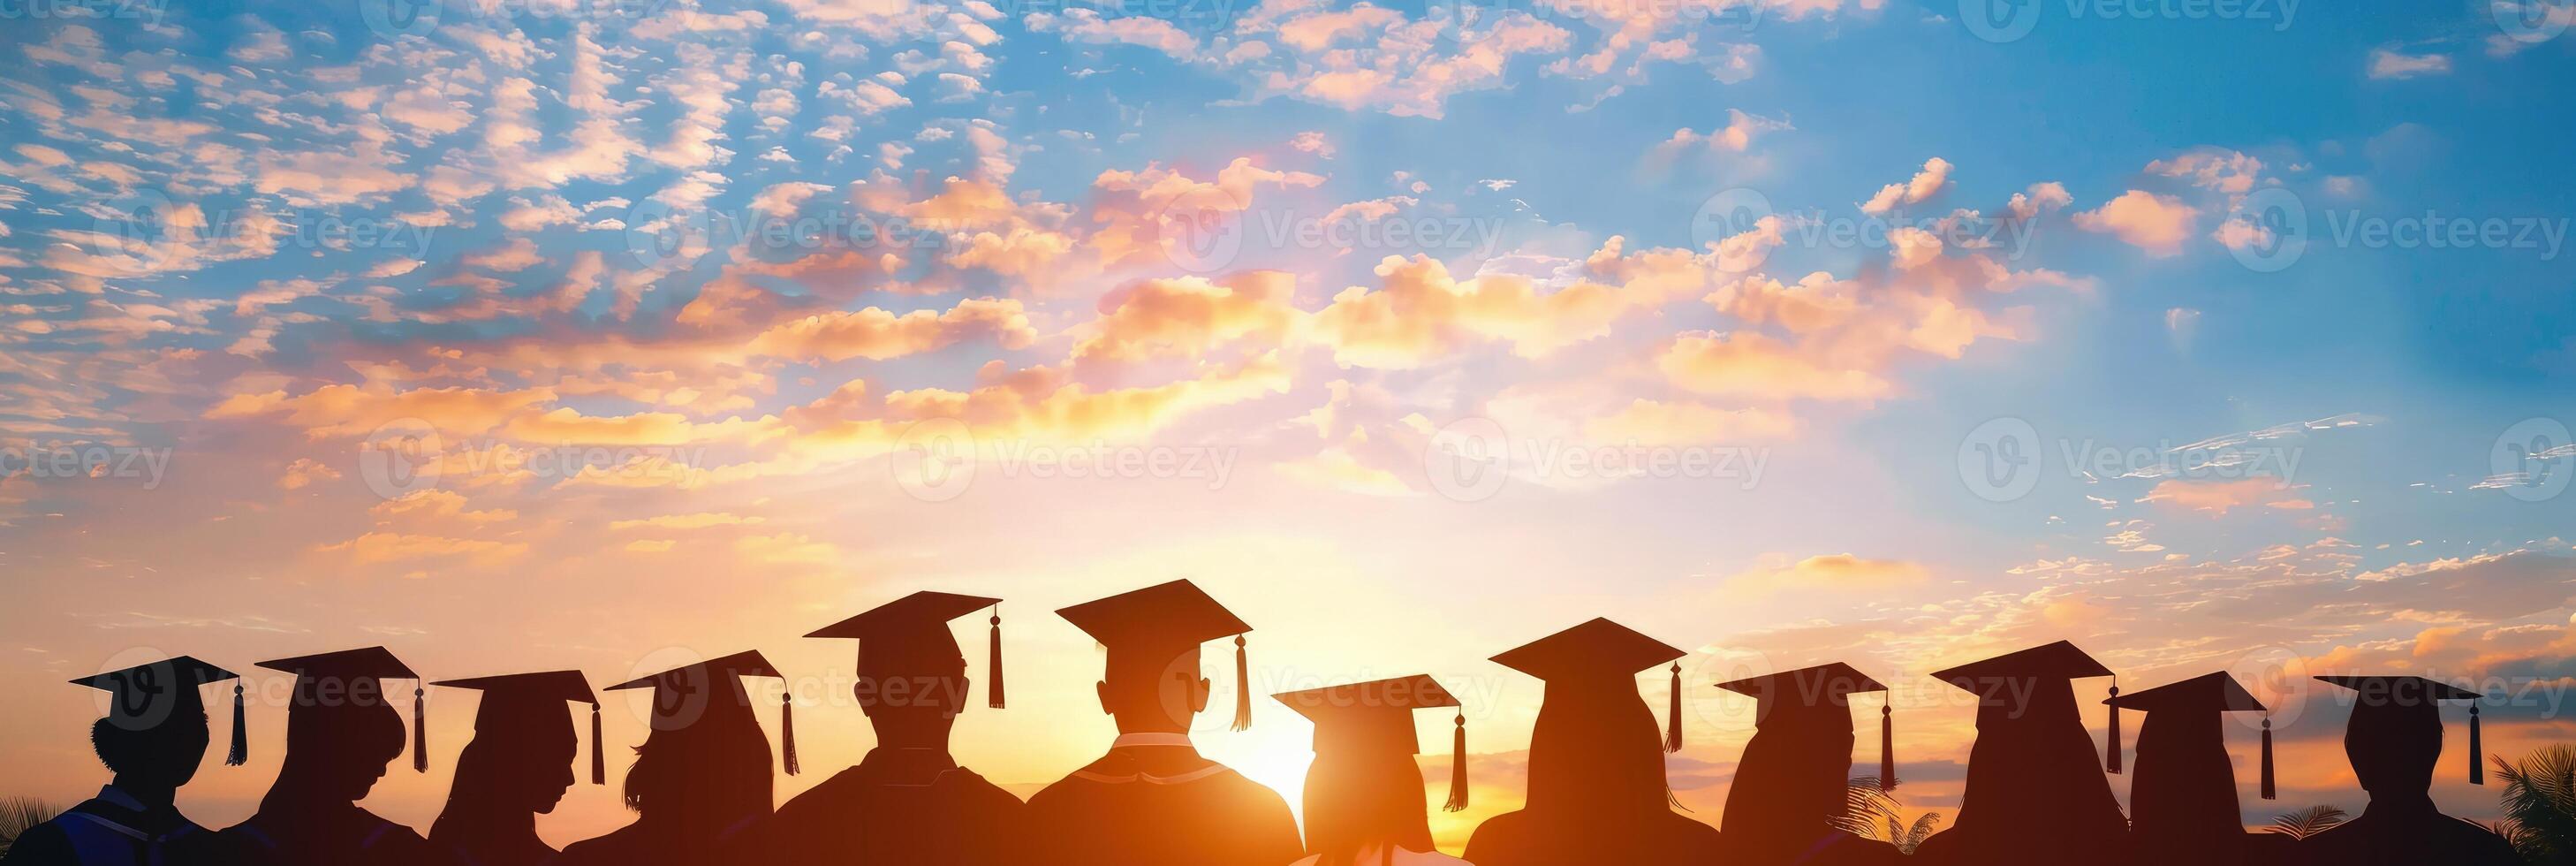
{"points": [[701, 782]]}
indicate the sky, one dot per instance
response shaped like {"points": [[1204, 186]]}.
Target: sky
{"points": [[549, 334]]}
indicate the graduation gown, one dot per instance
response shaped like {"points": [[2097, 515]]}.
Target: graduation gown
{"points": [[111, 828], [2402, 836], [1525, 838], [639, 844], [325, 835], [1831, 848], [1153, 801], [1402, 857], [487, 842], [898, 806]]}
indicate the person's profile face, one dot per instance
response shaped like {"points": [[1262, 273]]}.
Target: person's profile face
{"points": [[548, 776]]}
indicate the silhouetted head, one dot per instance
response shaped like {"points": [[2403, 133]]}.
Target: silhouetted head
{"points": [[338, 750], [2395, 737], [1153, 635], [1793, 780], [708, 775], [522, 766], [164, 755], [1595, 749], [154, 734], [912, 678], [1364, 790]]}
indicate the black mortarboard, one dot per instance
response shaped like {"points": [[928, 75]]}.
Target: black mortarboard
{"points": [[918, 623], [523, 701], [354, 677], [1599, 652], [1820, 696], [1378, 717], [2207, 694], [712, 689], [2415, 701], [145, 695], [1149, 627], [1996, 678]]}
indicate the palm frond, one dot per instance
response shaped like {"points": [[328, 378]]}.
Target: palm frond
{"points": [[2539, 800], [2308, 822], [19, 813]]}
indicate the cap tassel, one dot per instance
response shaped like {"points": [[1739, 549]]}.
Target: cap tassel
{"points": [[2269, 791], [1886, 748], [1673, 715], [241, 732], [993, 693], [419, 730], [2477, 771], [598, 750], [1458, 767], [1242, 687], [787, 730], [2111, 752]]}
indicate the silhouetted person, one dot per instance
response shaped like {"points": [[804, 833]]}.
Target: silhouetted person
{"points": [[1790, 800], [340, 735], [908, 802], [702, 778], [517, 767], [1597, 792], [152, 739], [2394, 740], [1153, 800], [2035, 792], [2182, 803], [1364, 799]]}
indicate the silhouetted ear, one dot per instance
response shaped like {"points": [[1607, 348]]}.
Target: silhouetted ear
{"points": [[955, 702], [1105, 706], [1199, 696]]}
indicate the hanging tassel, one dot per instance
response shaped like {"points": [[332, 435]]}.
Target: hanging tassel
{"points": [[993, 693], [1242, 688], [241, 732], [2269, 792], [419, 730], [1458, 767], [2477, 749], [598, 750], [1673, 715], [787, 729], [1887, 746], [2111, 753]]}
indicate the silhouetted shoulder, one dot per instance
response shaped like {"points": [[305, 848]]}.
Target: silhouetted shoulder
{"points": [[1503, 833], [2435, 838], [621, 847], [1401, 857], [41, 845]]}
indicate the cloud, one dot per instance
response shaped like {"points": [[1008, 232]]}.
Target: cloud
{"points": [[2217, 498], [1831, 573], [2154, 223], [1753, 365], [877, 334], [2390, 64], [1926, 183]]}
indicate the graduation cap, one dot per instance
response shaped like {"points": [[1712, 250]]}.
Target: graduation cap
{"points": [[354, 677], [144, 695], [1378, 717], [1149, 627], [683, 696], [916, 625], [2207, 694], [2384, 701], [523, 701], [1599, 652], [1821, 696], [1996, 678]]}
